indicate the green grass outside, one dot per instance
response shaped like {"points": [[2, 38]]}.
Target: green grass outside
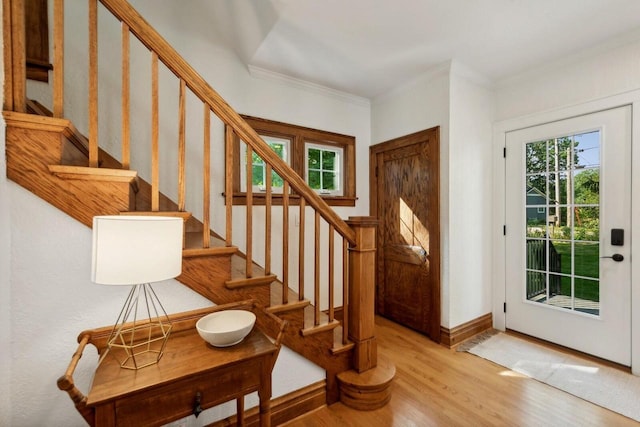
{"points": [[587, 264]]}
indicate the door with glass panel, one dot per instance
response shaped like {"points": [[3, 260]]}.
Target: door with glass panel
{"points": [[568, 204]]}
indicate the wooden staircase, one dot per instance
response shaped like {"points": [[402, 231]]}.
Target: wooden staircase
{"points": [[48, 156], [42, 158]]}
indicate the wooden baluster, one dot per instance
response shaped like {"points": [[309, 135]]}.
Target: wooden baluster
{"points": [[345, 290], [249, 239], [267, 221], [206, 167], [9, 37], [182, 183], [285, 242], [58, 58], [301, 262], [228, 184], [331, 272], [155, 166], [15, 56], [316, 282], [126, 98], [93, 83]]}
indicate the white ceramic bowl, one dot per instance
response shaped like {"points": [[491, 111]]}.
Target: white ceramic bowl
{"points": [[225, 328]]}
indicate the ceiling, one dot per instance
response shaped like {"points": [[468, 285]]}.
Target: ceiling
{"points": [[368, 47]]}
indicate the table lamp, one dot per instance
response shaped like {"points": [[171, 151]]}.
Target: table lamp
{"points": [[137, 251]]}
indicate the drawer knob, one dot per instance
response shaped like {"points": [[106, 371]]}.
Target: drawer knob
{"points": [[196, 405]]}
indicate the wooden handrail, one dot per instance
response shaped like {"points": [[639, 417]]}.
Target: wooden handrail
{"points": [[149, 37]]}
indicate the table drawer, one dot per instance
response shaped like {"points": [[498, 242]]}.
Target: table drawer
{"points": [[176, 400]]}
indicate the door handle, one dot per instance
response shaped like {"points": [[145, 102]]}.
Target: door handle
{"points": [[615, 257]]}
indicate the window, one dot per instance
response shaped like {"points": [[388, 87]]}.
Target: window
{"points": [[326, 161], [323, 168], [259, 167]]}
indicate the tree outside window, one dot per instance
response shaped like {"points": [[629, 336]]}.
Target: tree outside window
{"points": [[259, 167], [323, 169]]}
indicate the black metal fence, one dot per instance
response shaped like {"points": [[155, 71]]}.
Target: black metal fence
{"points": [[537, 268]]}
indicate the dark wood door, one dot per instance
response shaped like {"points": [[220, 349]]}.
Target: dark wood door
{"points": [[405, 199]]}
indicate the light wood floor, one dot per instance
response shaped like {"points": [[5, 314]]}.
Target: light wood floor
{"points": [[436, 386]]}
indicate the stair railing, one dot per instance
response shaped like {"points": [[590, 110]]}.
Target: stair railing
{"points": [[357, 245]]}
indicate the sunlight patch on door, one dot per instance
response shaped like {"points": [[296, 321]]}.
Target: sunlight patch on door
{"points": [[562, 197], [413, 232]]}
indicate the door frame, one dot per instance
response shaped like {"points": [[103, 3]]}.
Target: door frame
{"points": [[433, 135], [501, 128]]}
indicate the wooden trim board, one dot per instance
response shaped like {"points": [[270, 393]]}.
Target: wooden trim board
{"points": [[454, 336]]}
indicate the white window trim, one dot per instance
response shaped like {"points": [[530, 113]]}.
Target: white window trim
{"points": [[339, 170]]}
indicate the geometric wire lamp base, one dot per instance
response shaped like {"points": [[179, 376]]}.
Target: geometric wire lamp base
{"points": [[140, 334]]}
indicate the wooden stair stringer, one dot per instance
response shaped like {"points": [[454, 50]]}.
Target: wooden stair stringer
{"points": [[33, 144]]}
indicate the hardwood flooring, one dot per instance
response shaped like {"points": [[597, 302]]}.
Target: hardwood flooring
{"points": [[437, 386]]}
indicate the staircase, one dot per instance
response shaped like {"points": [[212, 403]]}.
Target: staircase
{"points": [[47, 155]]}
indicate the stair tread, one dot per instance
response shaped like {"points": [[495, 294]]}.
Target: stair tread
{"points": [[289, 306], [250, 281], [181, 214], [338, 345], [319, 328], [85, 172], [193, 239]]}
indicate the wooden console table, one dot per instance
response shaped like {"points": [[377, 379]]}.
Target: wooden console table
{"points": [[190, 377]]}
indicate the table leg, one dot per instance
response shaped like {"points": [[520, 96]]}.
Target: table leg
{"points": [[240, 411], [264, 393]]}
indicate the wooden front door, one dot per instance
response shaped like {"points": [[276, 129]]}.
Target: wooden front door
{"points": [[404, 182]]}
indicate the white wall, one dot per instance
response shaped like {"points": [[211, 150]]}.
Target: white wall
{"points": [[5, 288], [582, 84], [576, 79], [418, 105], [470, 166], [456, 99]]}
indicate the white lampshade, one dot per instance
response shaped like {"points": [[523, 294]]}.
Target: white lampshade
{"points": [[129, 250]]}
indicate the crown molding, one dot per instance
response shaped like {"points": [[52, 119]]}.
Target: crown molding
{"points": [[265, 74]]}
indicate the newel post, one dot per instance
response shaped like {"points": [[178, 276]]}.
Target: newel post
{"points": [[362, 289]]}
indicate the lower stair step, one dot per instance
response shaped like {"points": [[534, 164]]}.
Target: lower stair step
{"points": [[290, 306], [316, 329], [215, 251], [93, 174], [368, 390]]}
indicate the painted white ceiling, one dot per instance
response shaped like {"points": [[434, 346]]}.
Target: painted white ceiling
{"points": [[368, 47]]}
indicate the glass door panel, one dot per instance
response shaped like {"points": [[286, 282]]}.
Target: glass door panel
{"points": [[562, 177]]}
